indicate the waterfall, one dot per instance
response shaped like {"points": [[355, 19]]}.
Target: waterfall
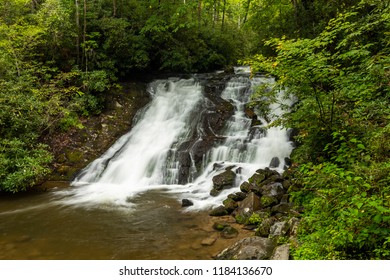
{"points": [[148, 156]]}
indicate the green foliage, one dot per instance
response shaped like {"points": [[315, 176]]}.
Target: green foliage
{"points": [[21, 165], [255, 219], [341, 81]]}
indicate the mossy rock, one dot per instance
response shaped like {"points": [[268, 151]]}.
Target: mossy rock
{"points": [[257, 178], [229, 232], [245, 187], [219, 211], [230, 205], [239, 196], [268, 201], [224, 180], [219, 226], [242, 218], [264, 228]]}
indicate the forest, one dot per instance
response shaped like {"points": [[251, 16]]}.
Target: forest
{"points": [[61, 59]]}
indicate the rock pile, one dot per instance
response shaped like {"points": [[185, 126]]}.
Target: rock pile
{"points": [[263, 206]]}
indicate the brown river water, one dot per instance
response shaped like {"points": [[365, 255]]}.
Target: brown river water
{"points": [[39, 226]]}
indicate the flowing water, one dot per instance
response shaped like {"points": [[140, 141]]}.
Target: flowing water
{"points": [[126, 203]]}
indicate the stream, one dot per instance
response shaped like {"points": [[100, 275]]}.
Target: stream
{"points": [[127, 203]]}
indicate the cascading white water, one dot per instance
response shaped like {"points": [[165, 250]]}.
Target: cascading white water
{"points": [[246, 148], [136, 162], [142, 159]]}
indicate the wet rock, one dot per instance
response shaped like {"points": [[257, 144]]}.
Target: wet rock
{"points": [[219, 211], [219, 226], [264, 228], [217, 166], [273, 190], [249, 112], [239, 196], [287, 162], [257, 178], [246, 208], [242, 218], [274, 162], [250, 248], [185, 163], [279, 229], [281, 252], [267, 172], [225, 180], [245, 187], [268, 201], [230, 205], [250, 204], [186, 203], [283, 208], [229, 232]]}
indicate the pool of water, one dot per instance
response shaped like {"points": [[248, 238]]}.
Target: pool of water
{"points": [[39, 226]]}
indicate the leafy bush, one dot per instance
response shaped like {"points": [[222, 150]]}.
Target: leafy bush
{"points": [[341, 80], [22, 165]]}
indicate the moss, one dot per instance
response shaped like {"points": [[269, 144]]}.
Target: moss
{"points": [[255, 219], [230, 205], [242, 219], [74, 156], [267, 201]]}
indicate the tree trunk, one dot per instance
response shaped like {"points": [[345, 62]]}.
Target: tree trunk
{"points": [[76, 3], [85, 35], [199, 13], [223, 14], [248, 3], [114, 7], [214, 13]]}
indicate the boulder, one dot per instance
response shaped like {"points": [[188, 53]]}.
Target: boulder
{"points": [[250, 204], [245, 187], [287, 162], [239, 196], [279, 229], [283, 208], [186, 203], [249, 113], [275, 161], [219, 226], [219, 211], [264, 228], [225, 180], [246, 208], [250, 248], [229, 232], [268, 201], [230, 205], [281, 252], [273, 190]]}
